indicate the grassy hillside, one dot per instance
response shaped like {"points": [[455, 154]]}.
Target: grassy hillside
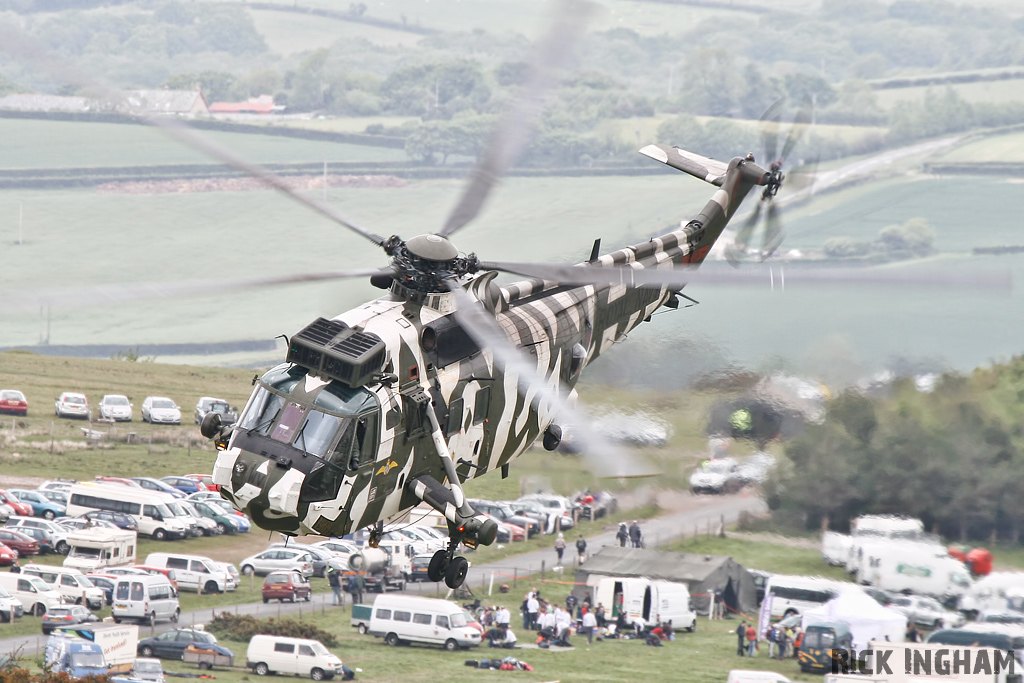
{"points": [[992, 148], [995, 92]]}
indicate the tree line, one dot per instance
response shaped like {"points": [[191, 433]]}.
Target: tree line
{"points": [[952, 456]]}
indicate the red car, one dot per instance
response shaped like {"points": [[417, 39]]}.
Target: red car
{"points": [[23, 509], [21, 544], [291, 586], [7, 556], [204, 479], [160, 571], [13, 402]]}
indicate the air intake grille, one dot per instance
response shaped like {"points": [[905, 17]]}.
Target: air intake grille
{"points": [[333, 350]]}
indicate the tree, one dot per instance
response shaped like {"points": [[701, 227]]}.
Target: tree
{"points": [[712, 83], [846, 247], [915, 236]]}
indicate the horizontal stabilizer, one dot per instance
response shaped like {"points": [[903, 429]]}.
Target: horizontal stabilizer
{"points": [[708, 170]]}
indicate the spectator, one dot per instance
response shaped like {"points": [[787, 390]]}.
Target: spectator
{"points": [[751, 641], [780, 640], [589, 624], [502, 617], [639, 625], [562, 622], [622, 535], [16, 568], [913, 636], [560, 547], [635, 535], [599, 614], [335, 583], [570, 603], [532, 608], [772, 642], [741, 638], [581, 548]]}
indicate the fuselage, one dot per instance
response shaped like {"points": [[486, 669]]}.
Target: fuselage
{"points": [[311, 455]]}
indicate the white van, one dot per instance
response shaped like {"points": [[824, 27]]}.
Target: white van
{"points": [[920, 568], [656, 602], [32, 592], [405, 618], [297, 656], [192, 572], [97, 548], [74, 586], [146, 599], [797, 594], [148, 508]]}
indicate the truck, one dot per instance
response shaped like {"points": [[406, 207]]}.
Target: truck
{"points": [[98, 548], [930, 663], [74, 656], [380, 572], [654, 601], [118, 642], [843, 549]]}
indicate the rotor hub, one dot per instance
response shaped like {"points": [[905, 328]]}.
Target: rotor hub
{"points": [[432, 248]]}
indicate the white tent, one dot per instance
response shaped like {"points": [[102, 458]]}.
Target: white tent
{"points": [[866, 619]]}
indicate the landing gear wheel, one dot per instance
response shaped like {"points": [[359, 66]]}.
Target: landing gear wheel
{"points": [[455, 574], [438, 565]]}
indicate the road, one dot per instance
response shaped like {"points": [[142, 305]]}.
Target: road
{"points": [[695, 514]]}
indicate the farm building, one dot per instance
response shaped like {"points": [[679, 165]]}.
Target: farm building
{"points": [[702, 574], [33, 102], [182, 102]]}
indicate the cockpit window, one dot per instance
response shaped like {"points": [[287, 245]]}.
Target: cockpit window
{"points": [[263, 411], [318, 432], [288, 425]]}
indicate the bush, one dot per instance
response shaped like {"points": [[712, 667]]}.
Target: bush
{"points": [[243, 627]]}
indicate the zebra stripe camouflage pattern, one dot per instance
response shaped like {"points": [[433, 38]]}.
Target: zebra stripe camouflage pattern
{"points": [[488, 420]]}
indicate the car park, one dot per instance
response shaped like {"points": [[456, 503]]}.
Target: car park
{"points": [[159, 486], [22, 545], [36, 597], [71, 404], [171, 644], [115, 407], [160, 410], [74, 586], [42, 537], [288, 585], [277, 559], [184, 484], [13, 402], [41, 505]]}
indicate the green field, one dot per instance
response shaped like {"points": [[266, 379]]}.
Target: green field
{"points": [[32, 143], [289, 33], [994, 92], [777, 558], [1003, 148]]}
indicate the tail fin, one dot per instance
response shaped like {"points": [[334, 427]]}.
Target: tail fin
{"points": [[706, 169]]}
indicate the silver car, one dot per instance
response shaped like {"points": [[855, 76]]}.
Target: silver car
{"points": [[160, 410], [116, 407], [278, 559]]}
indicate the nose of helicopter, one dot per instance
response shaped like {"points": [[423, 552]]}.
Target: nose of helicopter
{"points": [[268, 493]]}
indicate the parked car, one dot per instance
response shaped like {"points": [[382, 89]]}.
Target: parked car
{"points": [[58, 534], [161, 571], [148, 670], [58, 485], [208, 404], [42, 537], [67, 616], [503, 512], [925, 611], [205, 524], [278, 559], [158, 486], [116, 407], [119, 481], [13, 402], [319, 557], [118, 519], [716, 476], [105, 582], [21, 544], [7, 556], [171, 644], [184, 484], [41, 505], [419, 564], [226, 522], [77, 523], [71, 404], [160, 410], [204, 495], [244, 525], [8, 498], [59, 497], [290, 586], [206, 479]]}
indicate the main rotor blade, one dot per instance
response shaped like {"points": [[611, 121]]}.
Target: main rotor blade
{"points": [[100, 295], [770, 130], [487, 333], [18, 45], [800, 123], [634, 278], [514, 129], [772, 231]]}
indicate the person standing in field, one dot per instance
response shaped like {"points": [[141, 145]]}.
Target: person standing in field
{"points": [[560, 547]]}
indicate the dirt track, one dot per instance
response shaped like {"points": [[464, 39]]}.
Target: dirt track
{"points": [[302, 182]]}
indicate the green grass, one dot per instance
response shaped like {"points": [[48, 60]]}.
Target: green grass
{"points": [[64, 144], [994, 92], [775, 558], [1006, 148], [287, 33]]}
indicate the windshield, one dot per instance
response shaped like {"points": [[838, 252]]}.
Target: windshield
{"points": [[115, 401], [164, 511], [221, 408], [83, 581], [76, 551], [163, 403], [16, 395], [718, 466], [89, 659], [4, 593], [319, 649], [458, 619], [78, 400], [178, 512], [819, 639], [148, 667]]}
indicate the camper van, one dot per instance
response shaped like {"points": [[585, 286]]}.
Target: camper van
{"points": [[914, 567], [148, 508], [296, 656], [33, 593], [402, 619], [797, 594], [74, 586], [99, 548], [654, 601]]}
